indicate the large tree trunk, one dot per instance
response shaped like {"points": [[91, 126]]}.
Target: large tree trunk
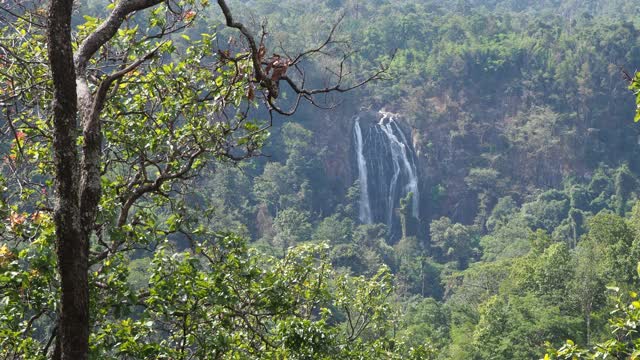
{"points": [[71, 240]]}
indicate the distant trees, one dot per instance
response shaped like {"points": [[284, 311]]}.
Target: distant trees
{"points": [[291, 226], [288, 184], [553, 289], [455, 242], [622, 340]]}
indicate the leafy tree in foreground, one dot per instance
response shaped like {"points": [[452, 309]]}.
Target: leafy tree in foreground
{"points": [[220, 300], [120, 115]]}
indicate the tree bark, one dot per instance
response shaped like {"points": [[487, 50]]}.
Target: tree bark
{"points": [[77, 176], [71, 240]]}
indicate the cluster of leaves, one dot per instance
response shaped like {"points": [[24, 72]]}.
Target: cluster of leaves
{"points": [[223, 300], [218, 300], [635, 87], [28, 283]]}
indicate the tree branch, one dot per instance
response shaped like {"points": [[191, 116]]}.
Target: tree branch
{"points": [[108, 29], [280, 65], [259, 74]]}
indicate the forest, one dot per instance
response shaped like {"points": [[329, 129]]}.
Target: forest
{"points": [[329, 179]]}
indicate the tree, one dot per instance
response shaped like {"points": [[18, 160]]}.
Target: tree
{"points": [[516, 327], [548, 211], [277, 189], [336, 229], [283, 186], [545, 272], [504, 209], [427, 321], [454, 241], [131, 118], [291, 226], [612, 238], [588, 285], [622, 342]]}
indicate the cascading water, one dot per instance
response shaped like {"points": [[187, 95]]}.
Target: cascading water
{"points": [[387, 170], [365, 206]]}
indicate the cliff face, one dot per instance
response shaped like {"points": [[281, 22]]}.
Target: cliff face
{"points": [[336, 137], [495, 101], [490, 116], [471, 149]]}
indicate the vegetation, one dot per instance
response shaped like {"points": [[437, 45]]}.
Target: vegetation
{"points": [[207, 225]]}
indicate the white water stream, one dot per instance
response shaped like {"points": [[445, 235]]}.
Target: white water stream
{"points": [[399, 151], [365, 205], [387, 170]]}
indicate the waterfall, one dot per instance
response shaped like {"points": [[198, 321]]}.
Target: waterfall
{"points": [[387, 170], [400, 150], [365, 206]]}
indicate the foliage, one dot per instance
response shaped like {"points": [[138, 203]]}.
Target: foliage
{"points": [[622, 342], [455, 241], [520, 125]]}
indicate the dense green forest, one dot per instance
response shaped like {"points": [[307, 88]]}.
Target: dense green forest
{"points": [[464, 182]]}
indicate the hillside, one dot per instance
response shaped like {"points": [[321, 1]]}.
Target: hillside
{"points": [[476, 197]]}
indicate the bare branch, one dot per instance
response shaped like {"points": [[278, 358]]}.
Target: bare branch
{"points": [[15, 14], [329, 40], [260, 75], [14, 131], [625, 75], [277, 66]]}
